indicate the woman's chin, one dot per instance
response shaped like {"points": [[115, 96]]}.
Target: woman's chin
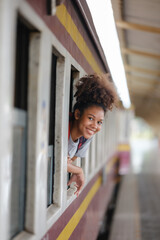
{"points": [[87, 136]]}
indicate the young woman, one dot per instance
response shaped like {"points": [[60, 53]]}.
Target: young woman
{"points": [[95, 95]]}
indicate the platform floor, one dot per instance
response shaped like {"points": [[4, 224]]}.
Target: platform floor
{"points": [[137, 214]]}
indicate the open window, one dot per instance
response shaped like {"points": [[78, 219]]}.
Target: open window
{"points": [[51, 140], [20, 115], [51, 6], [74, 74], [74, 78]]}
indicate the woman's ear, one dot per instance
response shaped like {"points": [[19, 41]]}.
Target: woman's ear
{"points": [[77, 114]]}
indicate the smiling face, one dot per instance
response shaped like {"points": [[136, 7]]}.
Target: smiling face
{"points": [[90, 122]]}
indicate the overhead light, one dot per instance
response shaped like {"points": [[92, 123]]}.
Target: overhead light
{"points": [[103, 19]]}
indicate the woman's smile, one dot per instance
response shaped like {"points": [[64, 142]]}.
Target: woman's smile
{"points": [[91, 131]]}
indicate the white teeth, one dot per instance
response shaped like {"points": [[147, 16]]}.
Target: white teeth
{"points": [[91, 131]]}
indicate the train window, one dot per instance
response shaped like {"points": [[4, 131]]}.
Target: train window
{"points": [[51, 6], [51, 132], [18, 183], [92, 153], [90, 160], [48, 7], [74, 77]]}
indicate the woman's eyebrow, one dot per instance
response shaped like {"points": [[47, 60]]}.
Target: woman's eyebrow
{"points": [[95, 116], [91, 115]]}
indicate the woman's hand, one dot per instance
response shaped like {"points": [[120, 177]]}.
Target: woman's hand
{"points": [[69, 160], [77, 175], [78, 178]]}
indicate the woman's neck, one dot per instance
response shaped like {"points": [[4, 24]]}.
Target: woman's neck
{"points": [[74, 131]]}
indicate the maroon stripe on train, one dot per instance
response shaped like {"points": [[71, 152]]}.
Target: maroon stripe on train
{"points": [[62, 35]]}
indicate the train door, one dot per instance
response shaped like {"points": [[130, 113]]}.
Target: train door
{"points": [[18, 184], [51, 140]]}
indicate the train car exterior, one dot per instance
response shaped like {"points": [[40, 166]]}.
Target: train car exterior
{"points": [[45, 47]]}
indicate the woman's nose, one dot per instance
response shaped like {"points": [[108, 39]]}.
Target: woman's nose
{"points": [[94, 124]]}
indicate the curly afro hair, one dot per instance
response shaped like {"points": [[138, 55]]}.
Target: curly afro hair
{"points": [[96, 89]]}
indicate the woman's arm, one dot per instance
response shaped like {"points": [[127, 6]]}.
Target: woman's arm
{"points": [[77, 176], [73, 169], [70, 160], [74, 158]]}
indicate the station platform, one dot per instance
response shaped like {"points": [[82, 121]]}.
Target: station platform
{"points": [[137, 212]]}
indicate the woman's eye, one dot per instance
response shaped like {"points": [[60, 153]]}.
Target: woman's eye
{"points": [[100, 123], [90, 118]]}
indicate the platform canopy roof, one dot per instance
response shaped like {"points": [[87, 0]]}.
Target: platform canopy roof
{"points": [[138, 27]]}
